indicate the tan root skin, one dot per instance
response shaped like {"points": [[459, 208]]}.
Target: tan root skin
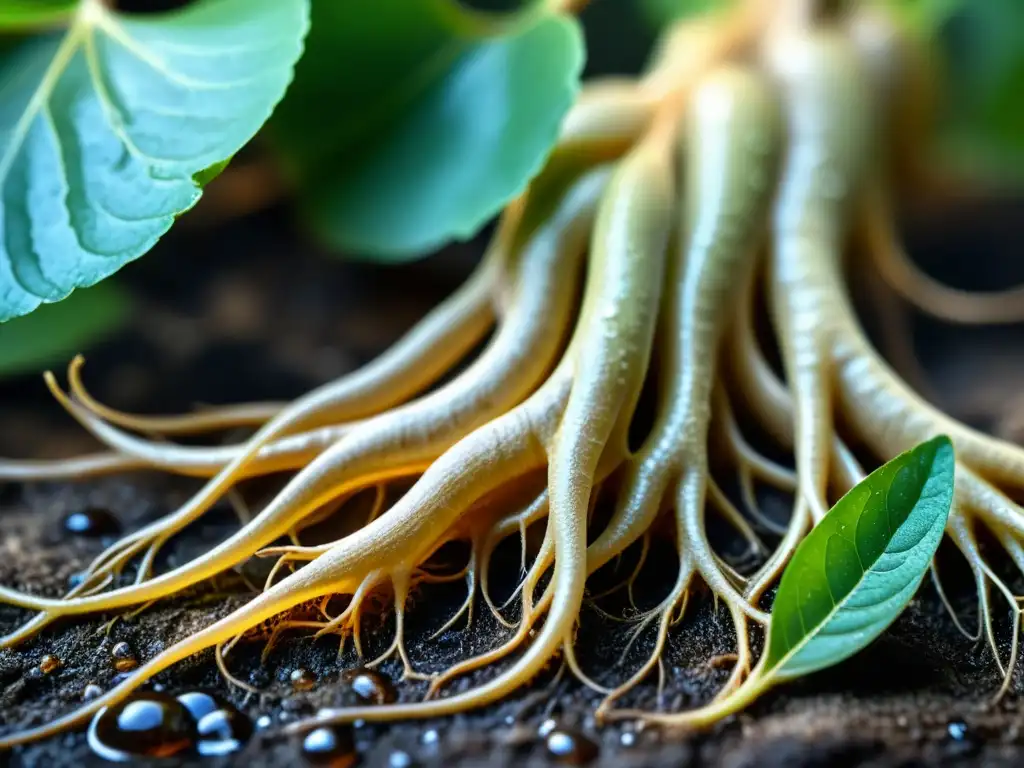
{"points": [[749, 162]]}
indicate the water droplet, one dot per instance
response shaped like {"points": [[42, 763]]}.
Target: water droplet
{"points": [[91, 691], [75, 579], [263, 721], [93, 521], [146, 724], [331, 746], [571, 747], [371, 686], [546, 727], [222, 732], [627, 739], [399, 759], [302, 679], [199, 704], [430, 737], [124, 657], [48, 664], [957, 730]]}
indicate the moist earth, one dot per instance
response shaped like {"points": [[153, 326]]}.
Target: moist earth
{"points": [[251, 312]]}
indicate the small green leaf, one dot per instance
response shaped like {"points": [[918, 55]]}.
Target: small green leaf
{"points": [[103, 129], [57, 331], [27, 14], [859, 567], [443, 120]]}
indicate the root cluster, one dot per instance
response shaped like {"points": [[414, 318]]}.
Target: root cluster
{"points": [[746, 172]]}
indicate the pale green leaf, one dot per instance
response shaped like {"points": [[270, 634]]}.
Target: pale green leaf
{"points": [[443, 121], [56, 332], [859, 567], [104, 129]]}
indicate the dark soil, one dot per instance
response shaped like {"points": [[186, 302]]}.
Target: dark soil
{"points": [[244, 313]]}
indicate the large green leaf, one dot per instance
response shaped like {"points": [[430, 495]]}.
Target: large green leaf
{"points": [[660, 13], [19, 14], [104, 128], [414, 124], [985, 120], [55, 332], [856, 571]]}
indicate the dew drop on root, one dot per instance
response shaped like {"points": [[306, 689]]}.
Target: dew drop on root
{"points": [[331, 746], [570, 747], [144, 725], [371, 686], [92, 522]]}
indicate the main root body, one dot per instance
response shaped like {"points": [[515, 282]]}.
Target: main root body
{"points": [[750, 167]]}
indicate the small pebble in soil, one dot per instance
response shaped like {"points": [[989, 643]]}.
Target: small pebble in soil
{"points": [[91, 691], [49, 664], [199, 704], [570, 747], [331, 746], [145, 724], [399, 759], [93, 522], [222, 732], [124, 657], [302, 679], [371, 686]]}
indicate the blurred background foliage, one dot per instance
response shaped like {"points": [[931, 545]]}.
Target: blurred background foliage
{"points": [[981, 132]]}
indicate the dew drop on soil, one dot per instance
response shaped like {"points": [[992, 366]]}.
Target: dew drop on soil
{"points": [[48, 664], [222, 732], [145, 724], [302, 679], [91, 691], [199, 704], [263, 721], [546, 727], [330, 746], [124, 657], [957, 730], [430, 737], [93, 521], [371, 686], [570, 747], [399, 759]]}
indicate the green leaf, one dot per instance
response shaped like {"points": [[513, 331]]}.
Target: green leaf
{"points": [[444, 120], [859, 567], [985, 120], [103, 130], [21, 14], [660, 13], [57, 331]]}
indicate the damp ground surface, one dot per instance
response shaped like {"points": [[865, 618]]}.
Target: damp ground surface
{"points": [[243, 313]]}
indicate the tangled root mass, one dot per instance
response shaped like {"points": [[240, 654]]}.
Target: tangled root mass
{"points": [[752, 165]]}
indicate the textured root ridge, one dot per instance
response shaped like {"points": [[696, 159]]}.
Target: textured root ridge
{"points": [[743, 166]]}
